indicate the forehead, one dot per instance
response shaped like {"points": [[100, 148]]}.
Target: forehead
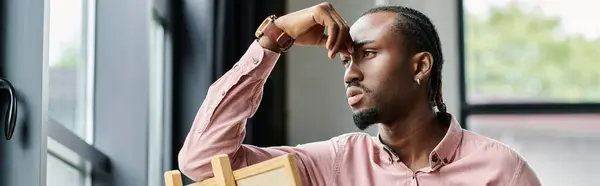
{"points": [[376, 26]]}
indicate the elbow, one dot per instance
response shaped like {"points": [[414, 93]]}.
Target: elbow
{"points": [[185, 167], [195, 169]]}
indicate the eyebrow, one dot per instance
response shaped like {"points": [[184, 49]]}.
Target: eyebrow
{"points": [[359, 44]]}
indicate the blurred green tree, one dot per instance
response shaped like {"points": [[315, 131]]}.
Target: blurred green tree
{"points": [[517, 54], [70, 58]]}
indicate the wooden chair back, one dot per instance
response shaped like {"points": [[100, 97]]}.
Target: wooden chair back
{"points": [[280, 171]]}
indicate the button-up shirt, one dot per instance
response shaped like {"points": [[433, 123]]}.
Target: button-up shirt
{"points": [[461, 158]]}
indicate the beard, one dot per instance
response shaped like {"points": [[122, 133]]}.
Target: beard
{"points": [[365, 118]]}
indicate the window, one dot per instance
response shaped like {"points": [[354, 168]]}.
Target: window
{"points": [[64, 166], [529, 81], [531, 51], [71, 31], [70, 61], [62, 173]]}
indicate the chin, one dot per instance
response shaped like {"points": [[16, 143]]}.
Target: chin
{"points": [[363, 118]]}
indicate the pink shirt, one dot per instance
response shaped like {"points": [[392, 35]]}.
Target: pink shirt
{"points": [[461, 158]]}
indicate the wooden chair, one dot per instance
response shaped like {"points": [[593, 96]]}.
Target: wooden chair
{"points": [[280, 171]]}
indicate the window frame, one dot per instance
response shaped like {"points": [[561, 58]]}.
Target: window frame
{"points": [[160, 96], [63, 143], [467, 109]]}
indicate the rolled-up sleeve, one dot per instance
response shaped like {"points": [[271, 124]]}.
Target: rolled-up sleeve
{"points": [[219, 126]]}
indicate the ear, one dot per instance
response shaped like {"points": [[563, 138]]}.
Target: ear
{"points": [[422, 63]]}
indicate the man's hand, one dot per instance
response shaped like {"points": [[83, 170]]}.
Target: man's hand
{"points": [[307, 26]]}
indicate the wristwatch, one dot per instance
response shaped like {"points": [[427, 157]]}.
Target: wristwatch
{"points": [[268, 28]]}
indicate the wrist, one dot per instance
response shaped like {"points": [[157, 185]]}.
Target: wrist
{"points": [[272, 37], [267, 43]]}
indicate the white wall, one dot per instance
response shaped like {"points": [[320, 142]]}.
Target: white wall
{"points": [[316, 96]]}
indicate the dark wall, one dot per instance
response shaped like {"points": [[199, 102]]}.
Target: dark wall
{"points": [[2, 27], [192, 71], [209, 37]]}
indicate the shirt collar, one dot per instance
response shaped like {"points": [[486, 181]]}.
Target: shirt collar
{"points": [[444, 152]]}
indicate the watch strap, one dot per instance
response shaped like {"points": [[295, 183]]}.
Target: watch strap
{"points": [[276, 34]]}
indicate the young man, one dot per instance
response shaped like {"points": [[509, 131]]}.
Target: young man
{"points": [[393, 63]]}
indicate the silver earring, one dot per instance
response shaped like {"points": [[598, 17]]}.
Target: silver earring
{"points": [[418, 81]]}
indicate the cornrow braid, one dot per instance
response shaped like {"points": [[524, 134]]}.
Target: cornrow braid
{"points": [[420, 35]]}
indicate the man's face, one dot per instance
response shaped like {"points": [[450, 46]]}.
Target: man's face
{"points": [[379, 76]]}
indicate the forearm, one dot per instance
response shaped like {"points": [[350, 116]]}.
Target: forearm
{"points": [[219, 125]]}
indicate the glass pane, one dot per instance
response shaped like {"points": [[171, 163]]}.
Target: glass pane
{"points": [[531, 51], [562, 149], [67, 64], [60, 173]]}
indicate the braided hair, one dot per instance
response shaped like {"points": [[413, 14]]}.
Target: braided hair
{"points": [[420, 35]]}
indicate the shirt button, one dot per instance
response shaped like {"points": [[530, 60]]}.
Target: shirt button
{"points": [[445, 160], [434, 158], [255, 60]]}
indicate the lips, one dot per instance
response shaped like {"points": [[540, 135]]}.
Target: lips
{"points": [[354, 95]]}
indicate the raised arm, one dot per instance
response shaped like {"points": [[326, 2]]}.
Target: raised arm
{"points": [[219, 126]]}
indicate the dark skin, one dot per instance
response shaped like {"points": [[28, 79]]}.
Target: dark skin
{"points": [[379, 62], [407, 120]]}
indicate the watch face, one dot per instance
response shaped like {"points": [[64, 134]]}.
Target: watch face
{"points": [[263, 25]]}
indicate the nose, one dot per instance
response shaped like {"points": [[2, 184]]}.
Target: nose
{"points": [[353, 73]]}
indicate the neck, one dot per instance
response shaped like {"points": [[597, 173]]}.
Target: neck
{"points": [[414, 137]]}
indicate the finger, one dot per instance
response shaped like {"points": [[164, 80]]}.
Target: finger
{"points": [[332, 31], [340, 42], [342, 35], [334, 50], [348, 43], [341, 21], [323, 17], [350, 46]]}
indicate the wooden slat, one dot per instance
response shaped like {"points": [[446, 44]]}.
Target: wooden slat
{"points": [[285, 163], [293, 170], [207, 182], [222, 170], [173, 178], [261, 167], [276, 177]]}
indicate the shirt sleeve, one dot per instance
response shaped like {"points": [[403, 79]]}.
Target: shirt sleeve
{"points": [[219, 126]]}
